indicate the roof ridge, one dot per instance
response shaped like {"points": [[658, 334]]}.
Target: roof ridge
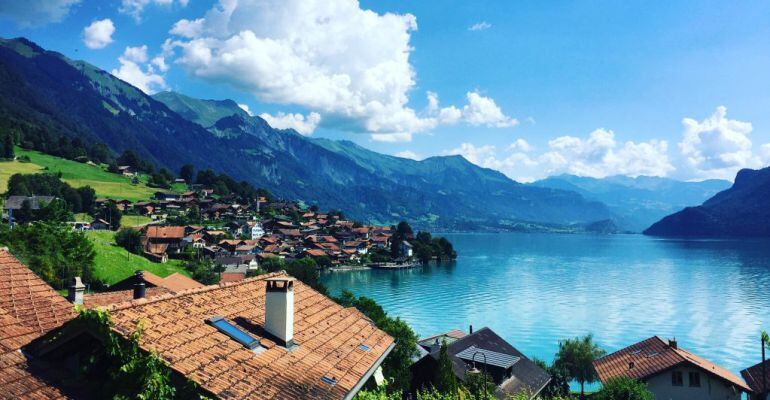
{"points": [[130, 303]]}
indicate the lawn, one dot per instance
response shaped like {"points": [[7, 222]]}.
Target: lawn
{"points": [[8, 168], [113, 263], [107, 185], [130, 221]]}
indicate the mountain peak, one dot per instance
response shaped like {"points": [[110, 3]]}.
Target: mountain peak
{"points": [[202, 112]]}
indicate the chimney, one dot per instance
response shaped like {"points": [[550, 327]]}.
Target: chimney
{"points": [[672, 343], [630, 365], [75, 291], [470, 330], [139, 289], [279, 309]]}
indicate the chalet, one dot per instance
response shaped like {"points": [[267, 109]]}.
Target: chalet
{"points": [[270, 348], [166, 196], [100, 224], [16, 203], [758, 379], [195, 240], [172, 236], [126, 170], [144, 207], [485, 352], [381, 241], [173, 283], [361, 233], [290, 233], [671, 372], [123, 205]]}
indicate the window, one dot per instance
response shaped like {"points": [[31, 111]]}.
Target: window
{"points": [[694, 379], [234, 332], [676, 378]]}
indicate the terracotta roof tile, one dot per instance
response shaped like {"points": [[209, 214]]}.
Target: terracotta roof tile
{"points": [[328, 336], [104, 299], [654, 355]]}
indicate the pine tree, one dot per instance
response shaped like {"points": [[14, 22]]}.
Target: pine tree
{"points": [[7, 147], [445, 381]]}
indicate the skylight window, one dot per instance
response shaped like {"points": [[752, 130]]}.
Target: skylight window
{"points": [[328, 380], [233, 332], [363, 347]]}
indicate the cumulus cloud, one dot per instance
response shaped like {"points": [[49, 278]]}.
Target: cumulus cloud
{"points": [[480, 26], [328, 56], [131, 70], [298, 122], [99, 34], [245, 107], [599, 155], [407, 154], [36, 12], [135, 8], [717, 147]]}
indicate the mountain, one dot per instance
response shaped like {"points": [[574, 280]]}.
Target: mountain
{"points": [[638, 202], [741, 210], [44, 90]]}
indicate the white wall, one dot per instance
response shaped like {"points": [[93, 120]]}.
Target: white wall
{"points": [[711, 388]]}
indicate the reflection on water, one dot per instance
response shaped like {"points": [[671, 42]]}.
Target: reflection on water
{"points": [[534, 289]]}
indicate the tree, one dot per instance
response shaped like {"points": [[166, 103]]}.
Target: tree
{"points": [[129, 239], [576, 356], [273, 264], [624, 388], [53, 251], [444, 380], [559, 383], [187, 172], [203, 271], [306, 270], [111, 214], [6, 150]]}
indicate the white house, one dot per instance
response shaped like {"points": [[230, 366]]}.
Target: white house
{"points": [[670, 372], [256, 230]]}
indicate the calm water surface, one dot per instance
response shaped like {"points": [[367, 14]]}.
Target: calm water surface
{"points": [[535, 289]]}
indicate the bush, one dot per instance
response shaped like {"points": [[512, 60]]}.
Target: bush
{"points": [[129, 239], [624, 389]]}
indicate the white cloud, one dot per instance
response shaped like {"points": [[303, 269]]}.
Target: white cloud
{"points": [[187, 28], [599, 155], [135, 8], [36, 12], [483, 110], [717, 147], [329, 56], [160, 62], [245, 107], [298, 122], [136, 54], [99, 34], [407, 154], [131, 71], [480, 26]]}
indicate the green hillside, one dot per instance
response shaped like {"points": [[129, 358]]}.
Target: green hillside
{"points": [[106, 184], [113, 263]]}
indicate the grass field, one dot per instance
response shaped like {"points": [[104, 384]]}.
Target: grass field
{"points": [[113, 263], [130, 221], [8, 168], [77, 174]]}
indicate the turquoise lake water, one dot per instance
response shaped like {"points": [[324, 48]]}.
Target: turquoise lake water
{"points": [[535, 289]]}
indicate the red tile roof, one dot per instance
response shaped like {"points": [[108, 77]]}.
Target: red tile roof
{"points": [[104, 299], [29, 308], [328, 337], [653, 356], [165, 232]]}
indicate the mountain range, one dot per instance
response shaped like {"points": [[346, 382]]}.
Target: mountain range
{"points": [[741, 210], [638, 202], [42, 89]]}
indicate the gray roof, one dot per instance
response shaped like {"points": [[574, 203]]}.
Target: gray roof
{"points": [[35, 202], [489, 357]]}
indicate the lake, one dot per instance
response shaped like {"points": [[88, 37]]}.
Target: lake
{"points": [[535, 289]]}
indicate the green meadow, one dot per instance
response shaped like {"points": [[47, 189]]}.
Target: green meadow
{"points": [[113, 263]]}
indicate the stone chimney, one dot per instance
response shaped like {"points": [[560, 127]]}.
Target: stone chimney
{"points": [[75, 291], [139, 288], [279, 309]]}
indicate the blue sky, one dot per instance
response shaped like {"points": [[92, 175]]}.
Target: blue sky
{"points": [[530, 88]]}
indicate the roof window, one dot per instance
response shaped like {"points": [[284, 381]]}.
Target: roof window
{"points": [[233, 332]]}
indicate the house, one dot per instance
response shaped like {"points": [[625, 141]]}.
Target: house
{"points": [[261, 347], [510, 370], [126, 170], [406, 249], [671, 372], [100, 224], [758, 379], [29, 309], [257, 231], [172, 236], [173, 283], [15, 203]]}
